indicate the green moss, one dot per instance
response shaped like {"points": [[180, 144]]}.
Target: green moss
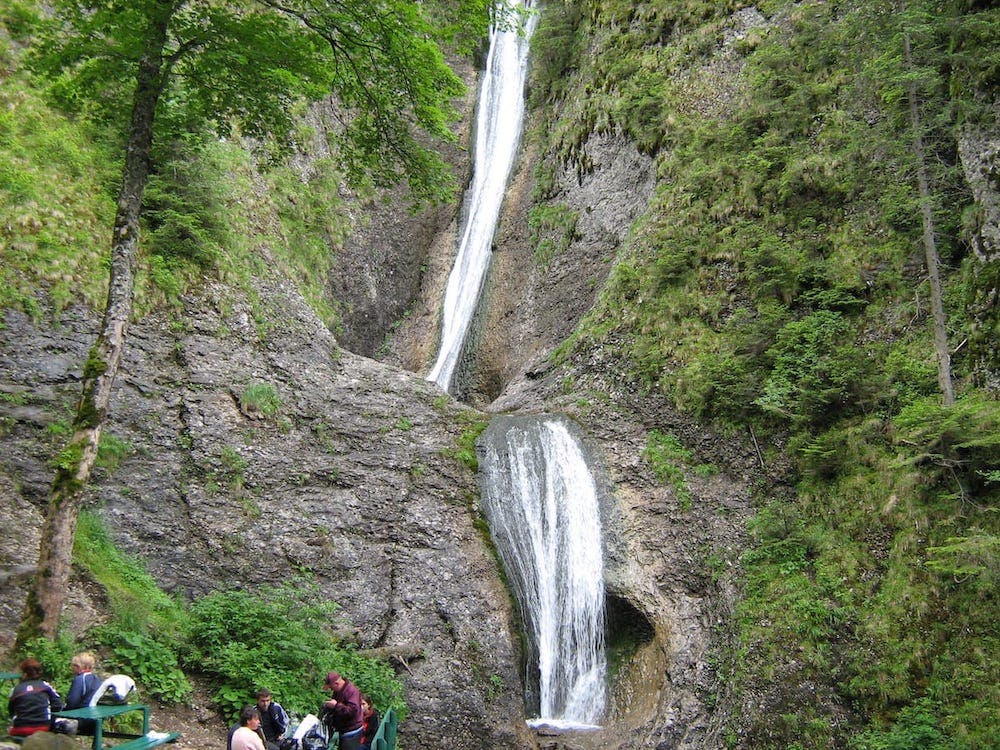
{"points": [[95, 366]]}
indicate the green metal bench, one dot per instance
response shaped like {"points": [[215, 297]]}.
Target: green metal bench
{"points": [[385, 737], [153, 739]]}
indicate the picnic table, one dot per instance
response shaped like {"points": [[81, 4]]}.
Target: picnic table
{"points": [[102, 712]]}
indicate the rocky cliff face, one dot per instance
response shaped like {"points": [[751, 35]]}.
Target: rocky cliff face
{"points": [[350, 481]]}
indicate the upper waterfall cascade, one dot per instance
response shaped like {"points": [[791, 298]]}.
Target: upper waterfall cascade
{"points": [[542, 506], [499, 117]]}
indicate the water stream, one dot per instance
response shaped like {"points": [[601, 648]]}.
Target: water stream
{"points": [[542, 506], [499, 117], [538, 494]]}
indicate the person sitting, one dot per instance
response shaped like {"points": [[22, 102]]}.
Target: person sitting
{"points": [[370, 721], [32, 702], [273, 719], [247, 736], [83, 687]]}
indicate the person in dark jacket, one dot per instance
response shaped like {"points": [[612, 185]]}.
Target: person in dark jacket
{"points": [[32, 702], [83, 687], [342, 711], [273, 719], [85, 682]]}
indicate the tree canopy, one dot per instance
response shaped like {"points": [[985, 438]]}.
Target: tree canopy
{"points": [[244, 66]]}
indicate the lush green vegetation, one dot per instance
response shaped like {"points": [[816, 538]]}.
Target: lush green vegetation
{"points": [[777, 283], [284, 639], [58, 183], [211, 209]]}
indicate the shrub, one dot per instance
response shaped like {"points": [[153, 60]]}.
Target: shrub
{"points": [[281, 640], [963, 437], [185, 204], [152, 662], [916, 728], [817, 373]]}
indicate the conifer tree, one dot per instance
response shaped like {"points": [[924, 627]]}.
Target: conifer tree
{"points": [[931, 256]]}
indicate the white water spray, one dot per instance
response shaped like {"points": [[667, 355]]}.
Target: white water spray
{"points": [[541, 504], [498, 130]]}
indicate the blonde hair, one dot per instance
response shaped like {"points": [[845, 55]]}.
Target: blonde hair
{"points": [[84, 660]]}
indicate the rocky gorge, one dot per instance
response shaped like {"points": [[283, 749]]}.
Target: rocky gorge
{"points": [[356, 481]]}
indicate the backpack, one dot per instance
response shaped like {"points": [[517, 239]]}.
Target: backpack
{"points": [[309, 735], [114, 691]]}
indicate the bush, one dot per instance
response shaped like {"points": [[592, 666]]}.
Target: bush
{"points": [[282, 641], [916, 728], [151, 662], [185, 205], [818, 371], [964, 436]]}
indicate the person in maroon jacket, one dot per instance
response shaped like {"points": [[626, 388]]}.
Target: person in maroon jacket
{"points": [[342, 711], [32, 701]]}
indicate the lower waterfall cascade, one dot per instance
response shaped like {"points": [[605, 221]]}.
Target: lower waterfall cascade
{"points": [[541, 503]]}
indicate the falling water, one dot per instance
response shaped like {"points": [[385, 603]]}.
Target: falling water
{"points": [[498, 129], [541, 504]]}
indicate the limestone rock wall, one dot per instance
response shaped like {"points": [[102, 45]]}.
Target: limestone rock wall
{"points": [[350, 481]]}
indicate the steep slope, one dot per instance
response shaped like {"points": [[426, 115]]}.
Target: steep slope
{"points": [[712, 252]]}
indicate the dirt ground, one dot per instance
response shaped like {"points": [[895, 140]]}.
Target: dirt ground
{"points": [[201, 729]]}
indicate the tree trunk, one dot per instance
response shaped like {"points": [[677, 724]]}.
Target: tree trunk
{"points": [[46, 597], [932, 259]]}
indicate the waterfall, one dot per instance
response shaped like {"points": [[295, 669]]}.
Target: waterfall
{"points": [[498, 129], [541, 503], [539, 497]]}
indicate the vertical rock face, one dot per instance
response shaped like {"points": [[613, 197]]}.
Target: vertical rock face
{"points": [[394, 264], [351, 480], [536, 297], [979, 150]]}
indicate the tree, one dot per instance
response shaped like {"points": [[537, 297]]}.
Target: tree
{"points": [[242, 66], [931, 257], [912, 78]]}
